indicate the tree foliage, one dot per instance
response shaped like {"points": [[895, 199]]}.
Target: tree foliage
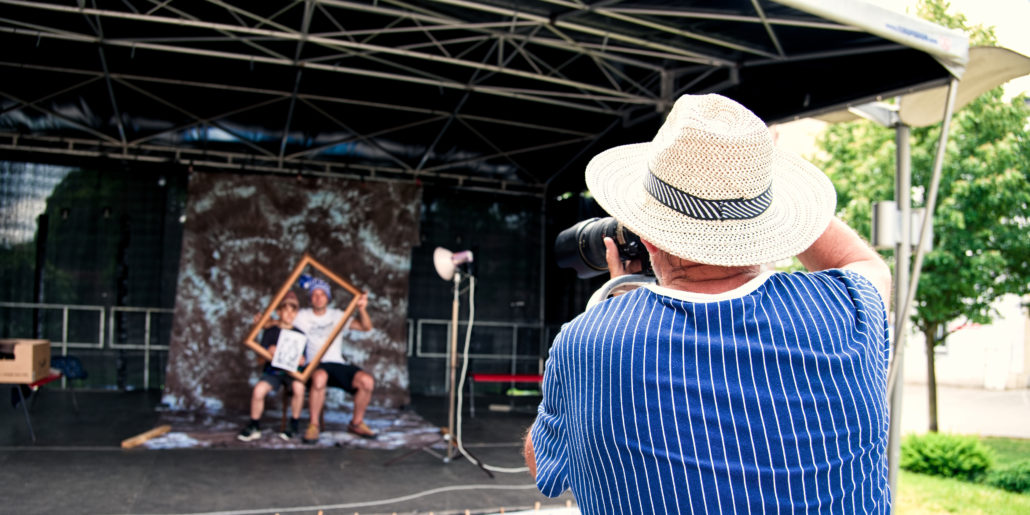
{"points": [[981, 246]]}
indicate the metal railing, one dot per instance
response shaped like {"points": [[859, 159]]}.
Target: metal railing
{"points": [[146, 346], [65, 309], [417, 342], [106, 319], [107, 323]]}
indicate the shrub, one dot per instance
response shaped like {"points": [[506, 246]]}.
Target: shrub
{"points": [[938, 454], [1014, 478]]}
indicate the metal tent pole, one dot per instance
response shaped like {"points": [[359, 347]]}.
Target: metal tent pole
{"points": [[924, 236], [902, 255], [909, 292]]}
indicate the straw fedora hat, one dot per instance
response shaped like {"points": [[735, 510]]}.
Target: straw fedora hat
{"points": [[712, 188]]}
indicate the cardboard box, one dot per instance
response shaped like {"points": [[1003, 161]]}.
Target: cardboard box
{"points": [[24, 361]]}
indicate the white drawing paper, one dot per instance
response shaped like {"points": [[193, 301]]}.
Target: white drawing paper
{"points": [[288, 350]]}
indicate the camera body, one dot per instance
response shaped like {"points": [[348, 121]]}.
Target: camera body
{"points": [[581, 247]]}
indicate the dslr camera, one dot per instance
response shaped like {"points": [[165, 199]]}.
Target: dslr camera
{"points": [[581, 247]]}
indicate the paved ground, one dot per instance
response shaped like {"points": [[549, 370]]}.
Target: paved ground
{"points": [[968, 411], [77, 466]]}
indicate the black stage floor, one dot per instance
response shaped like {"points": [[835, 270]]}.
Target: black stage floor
{"points": [[77, 466]]}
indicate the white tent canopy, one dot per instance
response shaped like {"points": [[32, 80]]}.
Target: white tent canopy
{"points": [[950, 47]]}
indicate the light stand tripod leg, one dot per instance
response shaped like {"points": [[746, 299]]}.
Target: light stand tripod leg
{"points": [[453, 451], [480, 465], [427, 448], [447, 434]]}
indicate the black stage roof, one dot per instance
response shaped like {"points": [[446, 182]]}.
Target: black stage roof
{"points": [[499, 95]]}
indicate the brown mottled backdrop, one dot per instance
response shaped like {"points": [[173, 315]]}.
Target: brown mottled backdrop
{"points": [[243, 236]]}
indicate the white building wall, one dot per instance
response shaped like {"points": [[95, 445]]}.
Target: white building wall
{"points": [[995, 356]]}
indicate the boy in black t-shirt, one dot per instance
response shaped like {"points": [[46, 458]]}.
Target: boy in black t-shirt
{"points": [[272, 377]]}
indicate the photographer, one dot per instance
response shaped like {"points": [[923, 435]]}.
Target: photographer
{"points": [[724, 387]]}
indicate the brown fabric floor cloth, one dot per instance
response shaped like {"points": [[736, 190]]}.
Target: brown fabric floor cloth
{"points": [[397, 429]]}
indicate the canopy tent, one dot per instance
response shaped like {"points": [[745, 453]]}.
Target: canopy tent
{"points": [[503, 95], [988, 67], [491, 94]]}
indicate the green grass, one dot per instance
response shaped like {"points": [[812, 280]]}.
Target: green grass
{"points": [[919, 494], [1008, 450]]}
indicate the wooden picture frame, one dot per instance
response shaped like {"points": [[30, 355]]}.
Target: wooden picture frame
{"points": [[251, 342]]}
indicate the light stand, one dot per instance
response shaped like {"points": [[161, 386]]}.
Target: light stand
{"points": [[447, 264], [451, 436]]}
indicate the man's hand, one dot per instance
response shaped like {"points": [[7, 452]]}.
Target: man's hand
{"points": [[616, 266], [362, 322], [268, 323]]}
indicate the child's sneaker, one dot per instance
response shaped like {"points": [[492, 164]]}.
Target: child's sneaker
{"points": [[290, 432], [251, 432]]}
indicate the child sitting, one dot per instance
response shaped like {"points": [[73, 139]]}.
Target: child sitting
{"points": [[272, 377]]}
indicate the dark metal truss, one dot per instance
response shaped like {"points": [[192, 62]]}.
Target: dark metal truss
{"points": [[500, 95]]}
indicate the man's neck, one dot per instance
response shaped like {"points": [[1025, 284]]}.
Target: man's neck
{"points": [[683, 274], [319, 311], [709, 279]]}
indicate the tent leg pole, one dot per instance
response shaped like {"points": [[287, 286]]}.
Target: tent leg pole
{"points": [[902, 255], [894, 371]]}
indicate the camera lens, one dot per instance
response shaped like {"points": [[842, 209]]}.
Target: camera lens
{"points": [[581, 247], [569, 254]]}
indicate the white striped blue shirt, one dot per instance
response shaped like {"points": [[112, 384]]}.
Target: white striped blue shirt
{"points": [[768, 399]]}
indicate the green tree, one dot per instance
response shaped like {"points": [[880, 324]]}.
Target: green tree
{"points": [[981, 247]]}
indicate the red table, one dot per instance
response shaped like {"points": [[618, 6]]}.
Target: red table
{"points": [[497, 378]]}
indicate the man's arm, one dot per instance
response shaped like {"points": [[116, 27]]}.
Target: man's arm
{"points": [[841, 247], [362, 322], [527, 452]]}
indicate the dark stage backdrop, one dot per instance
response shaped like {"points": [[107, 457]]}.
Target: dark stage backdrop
{"points": [[243, 236]]}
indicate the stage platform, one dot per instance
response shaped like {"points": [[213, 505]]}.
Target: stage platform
{"points": [[77, 465]]}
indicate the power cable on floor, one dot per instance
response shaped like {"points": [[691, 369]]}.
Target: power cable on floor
{"points": [[362, 504]]}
